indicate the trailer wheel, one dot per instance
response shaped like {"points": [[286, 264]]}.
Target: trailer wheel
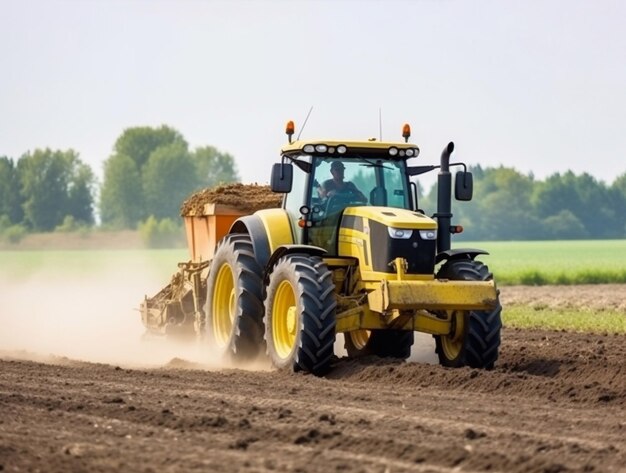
{"points": [[300, 314], [382, 343], [234, 305], [474, 338]]}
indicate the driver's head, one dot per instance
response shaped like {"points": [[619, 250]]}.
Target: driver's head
{"points": [[336, 169]]}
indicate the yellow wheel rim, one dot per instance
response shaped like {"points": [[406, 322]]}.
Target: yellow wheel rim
{"points": [[224, 305], [284, 319], [360, 338], [452, 344]]}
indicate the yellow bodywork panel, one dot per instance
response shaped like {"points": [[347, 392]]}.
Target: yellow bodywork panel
{"points": [[392, 217], [363, 318], [353, 244], [357, 242], [277, 227], [437, 294]]}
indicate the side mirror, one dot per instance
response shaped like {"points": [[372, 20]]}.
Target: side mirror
{"points": [[463, 186], [282, 177]]}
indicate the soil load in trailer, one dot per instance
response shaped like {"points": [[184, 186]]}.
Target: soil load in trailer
{"points": [[208, 215]]}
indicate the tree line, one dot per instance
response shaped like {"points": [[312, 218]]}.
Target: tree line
{"points": [[149, 173], [509, 205], [152, 170]]}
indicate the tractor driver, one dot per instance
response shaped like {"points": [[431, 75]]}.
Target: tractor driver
{"points": [[337, 185]]}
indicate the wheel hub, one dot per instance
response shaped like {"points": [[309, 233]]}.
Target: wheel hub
{"points": [[452, 343], [224, 305], [284, 319], [291, 320], [360, 338]]}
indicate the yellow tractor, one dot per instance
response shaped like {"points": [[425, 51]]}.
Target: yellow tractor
{"points": [[348, 252]]}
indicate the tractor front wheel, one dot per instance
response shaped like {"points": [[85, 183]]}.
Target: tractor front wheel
{"points": [[474, 336], [300, 314]]}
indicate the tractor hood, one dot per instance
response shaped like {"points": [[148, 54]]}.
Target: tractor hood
{"points": [[387, 216], [376, 236]]}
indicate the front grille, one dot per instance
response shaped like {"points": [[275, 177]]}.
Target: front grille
{"points": [[419, 254]]}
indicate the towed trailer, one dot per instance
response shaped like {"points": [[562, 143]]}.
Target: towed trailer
{"points": [[179, 308]]}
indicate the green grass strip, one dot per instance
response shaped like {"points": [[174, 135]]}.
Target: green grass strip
{"points": [[555, 262], [565, 319], [535, 277]]}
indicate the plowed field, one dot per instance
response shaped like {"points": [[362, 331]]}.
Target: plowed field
{"points": [[555, 402]]}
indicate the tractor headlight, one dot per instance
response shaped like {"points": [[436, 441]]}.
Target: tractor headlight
{"points": [[308, 148], [341, 149], [393, 151], [400, 233], [428, 234], [321, 148]]}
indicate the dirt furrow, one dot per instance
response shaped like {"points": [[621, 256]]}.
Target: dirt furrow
{"points": [[554, 403]]}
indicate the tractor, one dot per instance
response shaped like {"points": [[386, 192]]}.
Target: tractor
{"points": [[349, 251]]}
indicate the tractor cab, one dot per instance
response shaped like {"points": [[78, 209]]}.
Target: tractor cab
{"points": [[327, 177]]}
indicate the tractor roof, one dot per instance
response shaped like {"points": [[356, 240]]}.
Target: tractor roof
{"points": [[394, 150]]}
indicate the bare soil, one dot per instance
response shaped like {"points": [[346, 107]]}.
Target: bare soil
{"points": [[554, 403], [596, 297]]}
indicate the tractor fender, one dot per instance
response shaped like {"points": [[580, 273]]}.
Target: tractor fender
{"points": [[459, 253], [289, 249], [252, 225]]}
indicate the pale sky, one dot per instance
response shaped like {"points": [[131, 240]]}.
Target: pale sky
{"points": [[536, 85]]}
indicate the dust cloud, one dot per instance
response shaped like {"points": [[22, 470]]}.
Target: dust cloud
{"points": [[91, 317], [94, 317]]}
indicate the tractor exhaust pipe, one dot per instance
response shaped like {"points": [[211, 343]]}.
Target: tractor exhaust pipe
{"points": [[444, 200]]}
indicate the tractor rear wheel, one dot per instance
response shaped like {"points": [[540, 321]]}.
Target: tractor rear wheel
{"points": [[234, 305], [382, 343], [474, 338], [300, 314]]}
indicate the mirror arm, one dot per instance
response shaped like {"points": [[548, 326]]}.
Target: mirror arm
{"points": [[417, 170]]}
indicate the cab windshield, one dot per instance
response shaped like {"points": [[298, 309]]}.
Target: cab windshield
{"points": [[360, 182], [336, 184]]}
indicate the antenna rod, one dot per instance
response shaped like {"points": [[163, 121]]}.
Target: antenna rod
{"points": [[380, 123], [304, 124]]}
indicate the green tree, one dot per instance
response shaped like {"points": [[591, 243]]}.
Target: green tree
{"points": [[168, 178], [139, 143], [15, 233], [161, 234], [509, 205], [10, 198], [619, 184], [564, 226], [590, 201], [618, 194], [215, 167], [47, 178], [80, 194], [123, 200], [121, 196], [501, 208]]}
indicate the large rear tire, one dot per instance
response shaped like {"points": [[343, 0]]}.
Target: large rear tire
{"points": [[234, 306], [475, 335], [382, 343], [300, 314]]}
